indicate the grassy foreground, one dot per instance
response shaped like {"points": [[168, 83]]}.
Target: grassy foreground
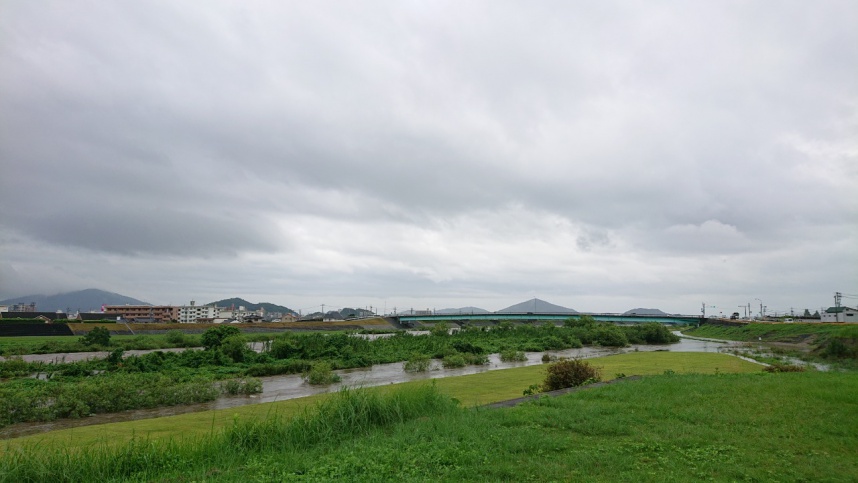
{"points": [[476, 389], [726, 427]]}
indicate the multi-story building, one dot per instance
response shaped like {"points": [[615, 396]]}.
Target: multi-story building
{"points": [[23, 307], [143, 313], [193, 313]]}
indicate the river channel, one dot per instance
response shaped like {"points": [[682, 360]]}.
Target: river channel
{"points": [[279, 388]]}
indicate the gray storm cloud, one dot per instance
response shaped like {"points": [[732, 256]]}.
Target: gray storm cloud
{"points": [[440, 147]]}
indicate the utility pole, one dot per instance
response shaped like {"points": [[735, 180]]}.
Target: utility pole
{"points": [[761, 308], [703, 311], [837, 297]]}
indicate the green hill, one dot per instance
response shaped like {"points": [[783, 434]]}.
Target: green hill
{"points": [[240, 302]]}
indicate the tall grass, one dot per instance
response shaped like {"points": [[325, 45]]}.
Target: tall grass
{"points": [[350, 413]]}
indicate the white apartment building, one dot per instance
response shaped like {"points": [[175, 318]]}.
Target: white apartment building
{"points": [[188, 314]]}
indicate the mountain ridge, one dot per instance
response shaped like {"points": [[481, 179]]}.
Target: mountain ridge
{"points": [[87, 300], [240, 302], [537, 306]]}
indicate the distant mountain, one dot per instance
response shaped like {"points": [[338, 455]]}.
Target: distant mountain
{"points": [[652, 312], [462, 310], [537, 306], [239, 302], [88, 300]]}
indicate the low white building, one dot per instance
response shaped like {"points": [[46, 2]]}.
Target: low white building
{"points": [[189, 314], [840, 314]]}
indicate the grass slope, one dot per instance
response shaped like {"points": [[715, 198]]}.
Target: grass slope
{"points": [[727, 427], [471, 390]]}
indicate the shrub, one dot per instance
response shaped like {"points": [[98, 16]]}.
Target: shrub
{"points": [[580, 321], [321, 373], [464, 346], [512, 355], [546, 358], [143, 342], [115, 356], [843, 345], [417, 363], [475, 359], [440, 329], [650, 333], [283, 348], [553, 343], [453, 361], [245, 386], [96, 336], [235, 347], [175, 337], [532, 389], [611, 336], [570, 373], [214, 337], [777, 367]]}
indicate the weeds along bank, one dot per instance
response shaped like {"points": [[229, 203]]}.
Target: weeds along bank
{"points": [[728, 427], [116, 383], [821, 342], [61, 337]]}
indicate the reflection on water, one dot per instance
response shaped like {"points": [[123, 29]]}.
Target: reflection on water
{"points": [[279, 388]]}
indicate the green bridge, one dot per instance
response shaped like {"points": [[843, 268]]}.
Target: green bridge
{"points": [[536, 317]]}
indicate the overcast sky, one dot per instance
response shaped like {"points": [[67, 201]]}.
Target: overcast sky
{"points": [[598, 155]]}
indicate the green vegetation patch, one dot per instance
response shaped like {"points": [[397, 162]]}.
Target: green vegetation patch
{"points": [[471, 390], [766, 332]]}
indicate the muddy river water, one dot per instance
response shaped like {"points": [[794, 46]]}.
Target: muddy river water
{"points": [[278, 388]]}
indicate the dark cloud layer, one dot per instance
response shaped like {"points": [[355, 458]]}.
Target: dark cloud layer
{"points": [[321, 136]]}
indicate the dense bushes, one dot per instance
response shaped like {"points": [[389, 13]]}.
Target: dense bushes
{"points": [[214, 336], [33, 400], [651, 333], [97, 336]]}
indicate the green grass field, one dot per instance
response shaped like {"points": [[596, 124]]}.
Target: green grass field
{"points": [[667, 427], [471, 390]]}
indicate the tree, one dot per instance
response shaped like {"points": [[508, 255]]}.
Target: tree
{"points": [[611, 336], [215, 336], [806, 313], [235, 347]]}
